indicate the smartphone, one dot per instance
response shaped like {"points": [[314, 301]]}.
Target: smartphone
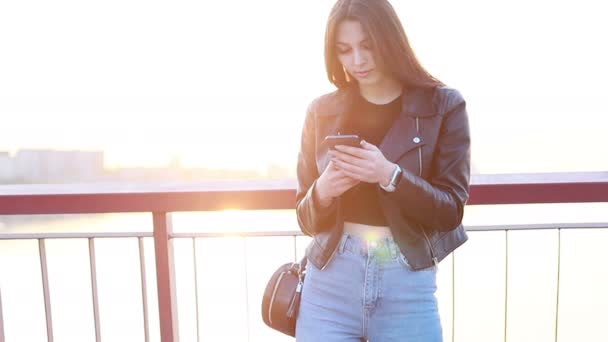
{"points": [[347, 139]]}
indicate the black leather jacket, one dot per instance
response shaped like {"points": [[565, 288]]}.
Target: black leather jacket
{"points": [[430, 141]]}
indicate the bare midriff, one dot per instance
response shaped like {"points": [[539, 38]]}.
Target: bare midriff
{"points": [[367, 232]]}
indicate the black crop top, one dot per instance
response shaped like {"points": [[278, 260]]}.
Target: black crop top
{"points": [[371, 122]]}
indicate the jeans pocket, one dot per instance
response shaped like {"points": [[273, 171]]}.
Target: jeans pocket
{"points": [[404, 263]]}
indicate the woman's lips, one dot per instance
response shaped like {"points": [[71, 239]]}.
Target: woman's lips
{"points": [[362, 74]]}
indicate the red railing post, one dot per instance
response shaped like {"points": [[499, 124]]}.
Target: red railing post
{"points": [[165, 277]]}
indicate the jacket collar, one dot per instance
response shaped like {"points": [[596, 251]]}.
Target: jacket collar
{"points": [[416, 102]]}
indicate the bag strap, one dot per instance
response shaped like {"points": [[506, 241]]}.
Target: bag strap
{"points": [[294, 306], [303, 263]]}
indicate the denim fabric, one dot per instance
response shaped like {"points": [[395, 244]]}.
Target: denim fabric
{"points": [[368, 292]]}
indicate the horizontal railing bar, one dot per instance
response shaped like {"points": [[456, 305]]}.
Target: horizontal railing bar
{"points": [[274, 194], [468, 228], [536, 178], [538, 226], [580, 192], [160, 187], [272, 184], [84, 235], [26, 236], [147, 202], [237, 234]]}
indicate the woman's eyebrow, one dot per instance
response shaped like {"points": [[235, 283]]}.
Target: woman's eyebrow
{"points": [[364, 41]]}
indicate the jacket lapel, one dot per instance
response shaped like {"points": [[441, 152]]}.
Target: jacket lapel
{"points": [[401, 138], [403, 135]]}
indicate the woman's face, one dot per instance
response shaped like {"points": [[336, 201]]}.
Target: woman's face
{"points": [[355, 52]]}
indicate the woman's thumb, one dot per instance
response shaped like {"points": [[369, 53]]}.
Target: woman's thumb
{"points": [[367, 145]]}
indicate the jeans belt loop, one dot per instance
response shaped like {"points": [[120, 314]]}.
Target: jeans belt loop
{"points": [[342, 243]]}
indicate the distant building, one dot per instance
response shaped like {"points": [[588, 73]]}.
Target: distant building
{"points": [[7, 168], [59, 166]]}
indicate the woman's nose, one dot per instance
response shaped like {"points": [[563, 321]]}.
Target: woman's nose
{"points": [[358, 57]]}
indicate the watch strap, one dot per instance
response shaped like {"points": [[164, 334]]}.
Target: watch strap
{"points": [[392, 184]]}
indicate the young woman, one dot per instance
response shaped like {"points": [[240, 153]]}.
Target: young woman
{"points": [[384, 213]]}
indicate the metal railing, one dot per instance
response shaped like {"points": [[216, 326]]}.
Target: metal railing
{"points": [[262, 195], [1, 320]]}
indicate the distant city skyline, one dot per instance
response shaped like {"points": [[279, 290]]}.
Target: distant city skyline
{"points": [[72, 166]]}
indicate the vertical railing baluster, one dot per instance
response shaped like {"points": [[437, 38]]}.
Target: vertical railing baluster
{"points": [[246, 288], [93, 265], [295, 248], [1, 320], [506, 281], [453, 295], [198, 333], [559, 259], [165, 276], [144, 288], [45, 290]]}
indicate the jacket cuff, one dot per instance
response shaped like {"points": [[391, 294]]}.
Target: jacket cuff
{"points": [[320, 218], [320, 214]]}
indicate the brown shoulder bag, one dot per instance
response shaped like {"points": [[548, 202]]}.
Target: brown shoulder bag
{"points": [[281, 300]]}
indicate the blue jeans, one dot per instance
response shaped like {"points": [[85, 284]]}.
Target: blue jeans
{"points": [[368, 292]]}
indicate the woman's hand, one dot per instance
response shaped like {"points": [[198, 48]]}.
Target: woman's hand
{"points": [[332, 183], [365, 164]]}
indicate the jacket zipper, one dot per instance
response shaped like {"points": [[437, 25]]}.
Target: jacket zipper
{"points": [[333, 254], [419, 148], [428, 241]]}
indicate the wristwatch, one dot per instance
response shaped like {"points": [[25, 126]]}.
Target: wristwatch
{"points": [[395, 177]]}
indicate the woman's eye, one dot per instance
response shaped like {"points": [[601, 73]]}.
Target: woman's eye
{"points": [[343, 51]]}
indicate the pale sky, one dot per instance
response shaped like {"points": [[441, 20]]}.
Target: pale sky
{"points": [[227, 83]]}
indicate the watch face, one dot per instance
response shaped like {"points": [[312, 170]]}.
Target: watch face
{"points": [[396, 176], [392, 184]]}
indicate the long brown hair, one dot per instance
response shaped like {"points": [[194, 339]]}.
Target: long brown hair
{"points": [[392, 50]]}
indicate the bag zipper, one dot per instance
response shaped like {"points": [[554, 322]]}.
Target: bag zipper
{"points": [[274, 293], [294, 306]]}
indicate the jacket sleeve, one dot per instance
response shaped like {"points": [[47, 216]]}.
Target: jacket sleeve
{"points": [[438, 203], [311, 217]]}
